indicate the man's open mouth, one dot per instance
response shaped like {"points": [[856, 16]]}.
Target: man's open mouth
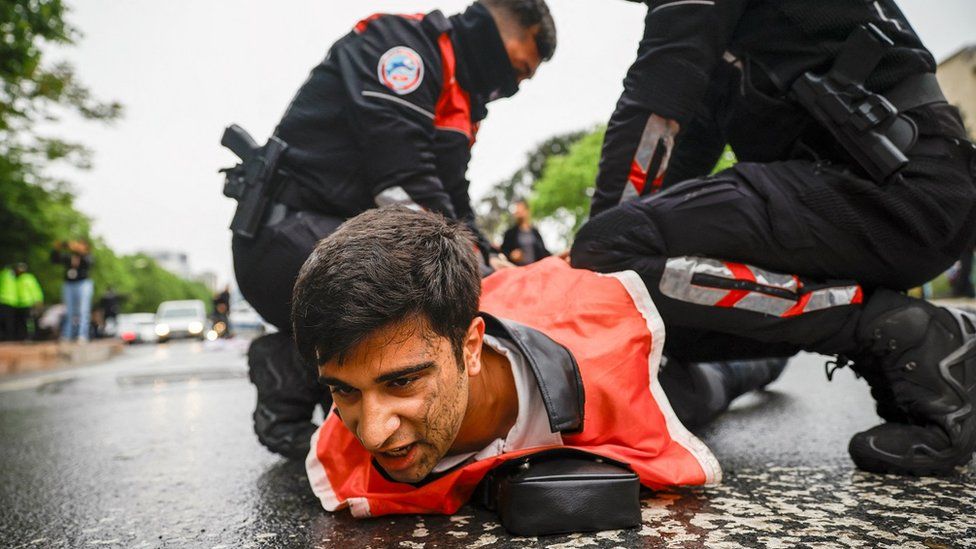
{"points": [[398, 459], [399, 452]]}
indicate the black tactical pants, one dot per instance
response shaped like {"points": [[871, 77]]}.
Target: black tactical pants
{"points": [[266, 270], [768, 259], [267, 267]]}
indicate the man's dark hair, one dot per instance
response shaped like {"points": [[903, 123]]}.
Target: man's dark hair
{"points": [[529, 13], [383, 266]]}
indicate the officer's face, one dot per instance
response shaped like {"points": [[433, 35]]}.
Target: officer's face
{"points": [[403, 394], [523, 53]]}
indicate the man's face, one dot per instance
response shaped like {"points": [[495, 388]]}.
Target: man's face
{"points": [[521, 212], [523, 53], [402, 393]]}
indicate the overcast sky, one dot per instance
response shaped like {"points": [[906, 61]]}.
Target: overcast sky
{"points": [[184, 70]]}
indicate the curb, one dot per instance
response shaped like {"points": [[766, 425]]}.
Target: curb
{"points": [[18, 358]]}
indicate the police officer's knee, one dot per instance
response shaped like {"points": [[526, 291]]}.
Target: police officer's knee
{"points": [[615, 237]]}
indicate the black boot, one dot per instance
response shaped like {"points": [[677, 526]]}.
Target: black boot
{"points": [[287, 395], [921, 362]]}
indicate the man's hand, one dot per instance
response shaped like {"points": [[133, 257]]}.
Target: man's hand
{"points": [[516, 255], [499, 261]]}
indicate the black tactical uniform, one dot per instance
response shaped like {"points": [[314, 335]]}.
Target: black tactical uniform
{"points": [[387, 118], [794, 247]]}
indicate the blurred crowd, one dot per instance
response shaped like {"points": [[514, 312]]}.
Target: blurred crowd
{"points": [[24, 317]]}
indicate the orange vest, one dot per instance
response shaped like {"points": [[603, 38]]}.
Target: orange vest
{"points": [[612, 328]]}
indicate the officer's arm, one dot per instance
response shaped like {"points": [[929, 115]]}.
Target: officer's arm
{"points": [[394, 117], [681, 45], [453, 154], [703, 139]]}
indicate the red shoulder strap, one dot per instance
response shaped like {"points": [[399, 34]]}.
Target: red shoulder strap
{"points": [[453, 109]]}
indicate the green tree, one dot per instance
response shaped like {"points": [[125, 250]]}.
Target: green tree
{"points": [[563, 192], [36, 209]]}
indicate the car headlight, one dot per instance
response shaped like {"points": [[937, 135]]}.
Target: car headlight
{"points": [[194, 327], [162, 330]]}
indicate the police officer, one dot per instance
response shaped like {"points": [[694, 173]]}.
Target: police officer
{"points": [[387, 118], [855, 182]]}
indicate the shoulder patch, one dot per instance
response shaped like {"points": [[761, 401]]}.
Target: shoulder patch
{"points": [[401, 69]]}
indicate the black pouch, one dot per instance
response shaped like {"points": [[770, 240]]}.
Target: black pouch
{"points": [[563, 490]]}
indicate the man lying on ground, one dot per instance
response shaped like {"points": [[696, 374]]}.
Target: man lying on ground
{"points": [[438, 378]]}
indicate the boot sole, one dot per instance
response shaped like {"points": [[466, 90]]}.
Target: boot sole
{"points": [[872, 459]]}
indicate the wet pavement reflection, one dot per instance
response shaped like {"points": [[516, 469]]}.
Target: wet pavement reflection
{"points": [[155, 449]]}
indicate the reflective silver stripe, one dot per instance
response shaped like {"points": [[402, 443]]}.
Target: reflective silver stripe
{"points": [[684, 3], [396, 195], [676, 280], [775, 280], [759, 302], [645, 149], [630, 192], [404, 102], [826, 298], [676, 283]]}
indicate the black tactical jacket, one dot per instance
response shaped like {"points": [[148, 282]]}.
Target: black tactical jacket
{"points": [[718, 67], [369, 126]]}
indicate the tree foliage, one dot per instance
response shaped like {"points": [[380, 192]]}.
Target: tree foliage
{"points": [[35, 209], [563, 192]]}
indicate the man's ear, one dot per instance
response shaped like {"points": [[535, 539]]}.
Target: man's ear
{"points": [[473, 340]]}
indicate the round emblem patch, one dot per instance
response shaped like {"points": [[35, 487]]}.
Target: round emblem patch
{"points": [[401, 69]]}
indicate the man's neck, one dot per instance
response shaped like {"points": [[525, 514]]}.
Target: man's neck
{"points": [[525, 225], [492, 404]]}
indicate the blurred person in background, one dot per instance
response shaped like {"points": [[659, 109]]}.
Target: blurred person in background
{"points": [[522, 242], [110, 304], [8, 300], [220, 317], [76, 293], [29, 298]]}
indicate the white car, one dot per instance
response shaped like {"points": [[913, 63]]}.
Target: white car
{"points": [[137, 327], [186, 318], [245, 320]]}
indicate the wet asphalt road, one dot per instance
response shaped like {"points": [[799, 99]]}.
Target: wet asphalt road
{"points": [[155, 449]]}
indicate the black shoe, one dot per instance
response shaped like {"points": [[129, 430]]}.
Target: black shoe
{"points": [[700, 391], [752, 375], [287, 395], [921, 362]]}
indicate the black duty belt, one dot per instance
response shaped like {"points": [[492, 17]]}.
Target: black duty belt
{"points": [[915, 91]]}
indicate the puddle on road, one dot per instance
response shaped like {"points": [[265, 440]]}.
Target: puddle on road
{"points": [[179, 377], [56, 386]]}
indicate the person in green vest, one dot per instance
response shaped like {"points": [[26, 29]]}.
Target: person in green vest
{"points": [[29, 295], [8, 298]]}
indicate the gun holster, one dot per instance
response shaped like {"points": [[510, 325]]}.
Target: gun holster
{"points": [[562, 490], [255, 182], [868, 125]]}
